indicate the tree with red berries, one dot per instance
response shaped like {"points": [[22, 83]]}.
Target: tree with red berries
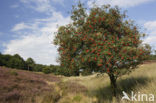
{"points": [[103, 40]]}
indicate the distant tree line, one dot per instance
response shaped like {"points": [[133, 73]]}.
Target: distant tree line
{"points": [[153, 56], [17, 62]]}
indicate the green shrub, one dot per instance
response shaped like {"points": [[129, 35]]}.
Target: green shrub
{"points": [[46, 70]]}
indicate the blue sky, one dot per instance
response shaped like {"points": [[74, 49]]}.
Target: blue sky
{"points": [[27, 26]]}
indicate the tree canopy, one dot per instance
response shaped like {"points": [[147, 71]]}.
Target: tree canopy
{"points": [[103, 40], [17, 62]]}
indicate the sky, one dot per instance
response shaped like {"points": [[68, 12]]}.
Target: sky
{"points": [[27, 26]]}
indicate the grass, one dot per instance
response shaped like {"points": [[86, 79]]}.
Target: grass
{"points": [[142, 80], [18, 86]]}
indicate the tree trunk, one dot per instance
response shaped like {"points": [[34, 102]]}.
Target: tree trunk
{"points": [[113, 84]]}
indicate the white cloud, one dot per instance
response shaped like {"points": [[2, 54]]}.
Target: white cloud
{"points": [[36, 43], [120, 3], [43, 6], [36, 35], [37, 47], [151, 27], [151, 31], [59, 2], [22, 26], [150, 39]]}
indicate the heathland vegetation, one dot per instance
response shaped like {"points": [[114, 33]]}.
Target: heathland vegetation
{"points": [[102, 43], [20, 86]]}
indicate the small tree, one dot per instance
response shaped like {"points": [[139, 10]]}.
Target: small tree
{"points": [[46, 70], [30, 63], [101, 41], [38, 67]]}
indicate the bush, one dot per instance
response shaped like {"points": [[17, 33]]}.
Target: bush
{"points": [[46, 70], [63, 71]]}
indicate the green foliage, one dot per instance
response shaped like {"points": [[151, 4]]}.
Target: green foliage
{"points": [[4, 59], [38, 67], [30, 64], [46, 70], [1, 60], [62, 71], [153, 56], [16, 61], [102, 41], [86, 72]]}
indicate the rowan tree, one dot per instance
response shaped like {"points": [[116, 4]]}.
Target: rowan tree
{"points": [[102, 40]]}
